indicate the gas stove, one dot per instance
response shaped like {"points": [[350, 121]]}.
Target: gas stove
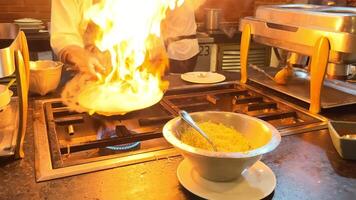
{"points": [[69, 143]]}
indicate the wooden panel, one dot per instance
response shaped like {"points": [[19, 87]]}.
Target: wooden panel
{"points": [[15, 9], [351, 3], [232, 10]]}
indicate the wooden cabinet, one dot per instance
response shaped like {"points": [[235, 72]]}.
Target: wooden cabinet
{"points": [[15, 9], [233, 10]]}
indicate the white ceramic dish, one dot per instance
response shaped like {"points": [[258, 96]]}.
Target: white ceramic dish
{"points": [[32, 27], [255, 183], [224, 166], [203, 77], [32, 30], [27, 20], [31, 24], [44, 76]]}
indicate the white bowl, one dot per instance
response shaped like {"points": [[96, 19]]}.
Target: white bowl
{"points": [[44, 76], [5, 96], [224, 166]]}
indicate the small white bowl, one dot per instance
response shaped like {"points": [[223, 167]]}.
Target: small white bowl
{"points": [[44, 76], [5, 96]]}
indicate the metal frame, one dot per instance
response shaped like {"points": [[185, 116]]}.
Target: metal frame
{"points": [[14, 60], [323, 124], [309, 126], [43, 162], [231, 62], [339, 41], [46, 171]]}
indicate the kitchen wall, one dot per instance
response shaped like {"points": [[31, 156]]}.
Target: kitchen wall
{"points": [[232, 9], [351, 3], [15, 9]]}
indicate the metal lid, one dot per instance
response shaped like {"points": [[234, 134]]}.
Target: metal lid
{"points": [[338, 19]]}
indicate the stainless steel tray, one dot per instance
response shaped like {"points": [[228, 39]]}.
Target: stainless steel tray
{"points": [[333, 94], [345, 146]]}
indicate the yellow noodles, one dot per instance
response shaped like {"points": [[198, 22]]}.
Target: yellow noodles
{"points": [[226, 139]]}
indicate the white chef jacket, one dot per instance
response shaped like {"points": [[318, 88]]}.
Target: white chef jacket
{"points": [[68, 27], [181, 22], [67, 23]]}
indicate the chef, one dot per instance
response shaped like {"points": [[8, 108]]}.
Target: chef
{"points": [[69, 37], [179, 32]]}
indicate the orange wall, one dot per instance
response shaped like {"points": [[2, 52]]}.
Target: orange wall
{"points": [[351, 3], [233, 10], [15, 9], [40, 9]]}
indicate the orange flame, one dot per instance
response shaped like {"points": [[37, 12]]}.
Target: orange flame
{"points": [[130, 32]]}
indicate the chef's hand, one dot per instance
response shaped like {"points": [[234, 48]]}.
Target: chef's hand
{"points": [[82, 60]]}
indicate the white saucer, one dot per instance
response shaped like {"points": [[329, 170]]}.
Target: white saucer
{"points": [[30, 24], [27, 20], [256, 183], [202, 77]]}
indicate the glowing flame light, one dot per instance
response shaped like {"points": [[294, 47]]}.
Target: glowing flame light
{"points": [[130, 32], [126, 28]]}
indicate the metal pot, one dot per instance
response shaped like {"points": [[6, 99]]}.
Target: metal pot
{"points": [[212, 18]]}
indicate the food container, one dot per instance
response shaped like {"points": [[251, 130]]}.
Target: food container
{"points": [[44, 76], [5, 96], [343, 136], [224, 166], [212, 18]]}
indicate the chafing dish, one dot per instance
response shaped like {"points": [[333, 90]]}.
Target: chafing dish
{"points": [[326, 34]]}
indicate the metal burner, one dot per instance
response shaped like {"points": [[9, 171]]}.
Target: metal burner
{"points": [[105, 133], [67, 143]]}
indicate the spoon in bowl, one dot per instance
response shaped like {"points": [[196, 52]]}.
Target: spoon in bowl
{"points": [[188, 119]]}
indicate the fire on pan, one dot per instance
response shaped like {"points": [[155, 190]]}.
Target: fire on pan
{"points": [[136, 55]]}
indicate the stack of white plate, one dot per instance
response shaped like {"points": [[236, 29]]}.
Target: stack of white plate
{"points": [[29, 24]]}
